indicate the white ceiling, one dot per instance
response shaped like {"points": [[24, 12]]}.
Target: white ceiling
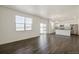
{"points": [[48, 11]]}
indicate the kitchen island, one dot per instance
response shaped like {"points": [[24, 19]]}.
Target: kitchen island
{"points": [[63, 32]]}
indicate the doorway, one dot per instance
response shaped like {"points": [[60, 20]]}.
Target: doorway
{"points": [[43, 28]]}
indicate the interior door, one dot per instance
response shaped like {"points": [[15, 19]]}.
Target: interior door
{"points": [[43, 28]]}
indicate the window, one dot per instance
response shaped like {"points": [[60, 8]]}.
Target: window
{"points": [[28, 23], [23, 23], [19, 23]]}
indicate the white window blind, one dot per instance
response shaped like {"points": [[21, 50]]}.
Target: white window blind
{"points": [[28, 23], [23, 23], [19, 23]]}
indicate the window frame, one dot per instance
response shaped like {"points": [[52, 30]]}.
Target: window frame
{"points": [[19, 23], [25, 23], [28, 23]]}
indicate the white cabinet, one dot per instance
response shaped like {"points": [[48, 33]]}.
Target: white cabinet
{"points": [[63, 32]]}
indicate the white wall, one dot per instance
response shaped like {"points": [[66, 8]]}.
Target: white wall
{"points": [[73, 21], [78, 26], [8, 31]]}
